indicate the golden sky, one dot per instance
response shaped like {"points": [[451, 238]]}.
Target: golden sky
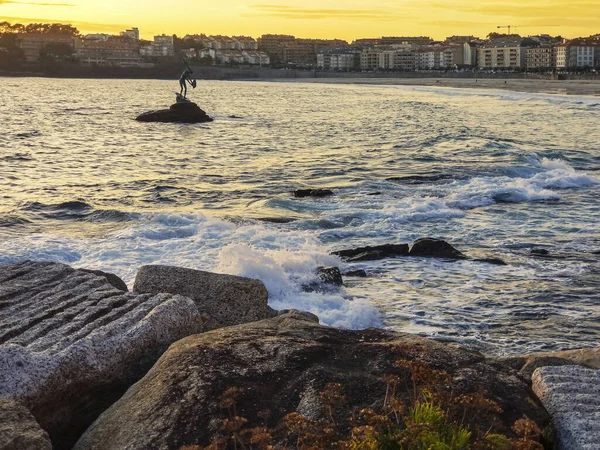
{"points": [[345, 19]]}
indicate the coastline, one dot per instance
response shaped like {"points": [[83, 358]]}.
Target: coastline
{"points": [[560, 87]]}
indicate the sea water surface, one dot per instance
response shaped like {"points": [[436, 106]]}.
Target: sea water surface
{"points": [[499, 174]]}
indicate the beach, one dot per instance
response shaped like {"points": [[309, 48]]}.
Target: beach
{"points": [[568, 87]]}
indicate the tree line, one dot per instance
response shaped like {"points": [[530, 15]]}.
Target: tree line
{"points": [[42, 28]]}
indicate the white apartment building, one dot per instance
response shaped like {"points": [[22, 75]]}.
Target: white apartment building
{"points": [[340, 59], [133, 33]]}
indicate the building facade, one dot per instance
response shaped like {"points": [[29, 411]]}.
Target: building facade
{"points": [[342, 59], [116, 51], [504, 53], [163, 46], [542, 57], [33, 44]]}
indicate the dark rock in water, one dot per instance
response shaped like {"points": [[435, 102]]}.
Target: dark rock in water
{"points": [[421, 179], [180, 112], [114, 280], [330, 275], [494, 261], [301, 193], [540, 252], [71, 344], [19, 429], [277, 219], [282, 364], [356, 273], [375, 193], [374, 253], [227, 299], [435, 248]]}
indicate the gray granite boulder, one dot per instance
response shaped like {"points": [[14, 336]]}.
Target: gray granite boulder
{"points": [[71, 343], [228, 299], [571, 394], [19, 430], [282, 364]]}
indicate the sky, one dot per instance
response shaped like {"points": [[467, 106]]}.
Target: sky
{"points": [[344, 19]]}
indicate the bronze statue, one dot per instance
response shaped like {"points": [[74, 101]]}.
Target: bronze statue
{"points": [[186, 77]]}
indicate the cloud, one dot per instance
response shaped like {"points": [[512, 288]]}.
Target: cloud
{"points": [[288, 12], [4, 2]]}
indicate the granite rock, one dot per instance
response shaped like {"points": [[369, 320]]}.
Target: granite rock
{"points": [[19, 430], [571, 394], [71, 343], [227, 299], [282, 364], [180, 112]]}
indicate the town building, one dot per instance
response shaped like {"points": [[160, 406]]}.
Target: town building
{"points": [[245, 43], [272, 44], [578, 53], [303, 52], [97, 37], [504, 53], [369, 58], [254, 57], [415, 41], [542, 57], [33, 44], [163, 46], [132, 33], [115, 51], [339, 59], [470, 50]]}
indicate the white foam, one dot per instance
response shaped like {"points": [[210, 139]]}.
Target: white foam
{"points": [[283, 261]]}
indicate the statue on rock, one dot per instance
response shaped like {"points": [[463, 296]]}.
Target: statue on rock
{"points": [[183, 110]]}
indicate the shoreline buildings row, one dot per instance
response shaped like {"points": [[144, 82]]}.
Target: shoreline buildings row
{"points": [[400, 53]]}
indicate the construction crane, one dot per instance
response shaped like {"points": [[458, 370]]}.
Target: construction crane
{"points": [[507, 26]]}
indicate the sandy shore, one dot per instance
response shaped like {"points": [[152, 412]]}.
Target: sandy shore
{"points": [[570, 87]]}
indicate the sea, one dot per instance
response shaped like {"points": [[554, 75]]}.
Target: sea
{"points": [[497, 174]]}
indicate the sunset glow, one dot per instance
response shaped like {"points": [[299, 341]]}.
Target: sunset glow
{"points": [[314, 18]]}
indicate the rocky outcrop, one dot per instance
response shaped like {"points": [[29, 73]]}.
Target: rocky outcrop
{"points": [[330, 275], [435, 248], [374, 253], [571, 394], [301, 193], [282, 364], [19, 430], [180, 112], [227, 299], [585, 357], [71, 344]]}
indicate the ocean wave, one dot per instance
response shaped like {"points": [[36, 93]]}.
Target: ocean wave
{"points": [[283, 261], [74, 210]]}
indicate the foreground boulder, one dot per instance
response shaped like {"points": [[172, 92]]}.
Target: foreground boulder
{"points": [[227, 299], [282, 364], [435, 248], [71, 343], [572, 396], [180, 112], [19, 430]]}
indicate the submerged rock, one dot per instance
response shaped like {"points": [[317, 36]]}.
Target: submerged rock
{"points": [[301, 193], [71, 344], [227, 299], [493, 261], [282, 364], [586, 357], [180, 112], [19, 429], [435, 248], [330, 275], [359, 273], [374, 253]]}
